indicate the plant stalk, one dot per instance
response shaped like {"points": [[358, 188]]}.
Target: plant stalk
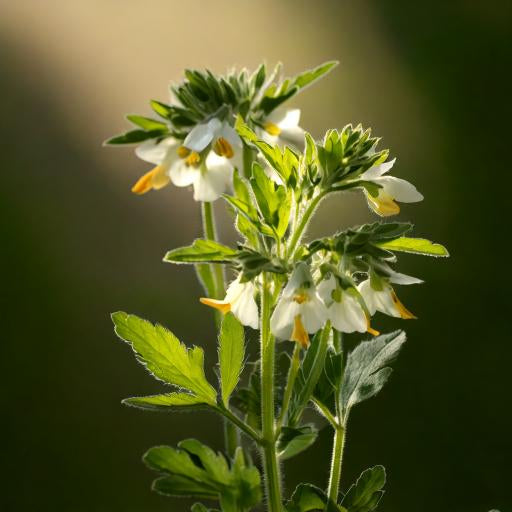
{"points": [[336, 462], [306, 217], [271, 465], [210, 233], [230, 416]]}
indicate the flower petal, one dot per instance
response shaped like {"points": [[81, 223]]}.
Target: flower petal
{"points": [[282, 320], [154, 179], [348, 315], [245, 307], [183, 175], [314, 313], [399, 189], [213, 181], [368, 294], [156, 152], [221, 305], [325, 289], [383, 204], [377, 170], [201, 135]]}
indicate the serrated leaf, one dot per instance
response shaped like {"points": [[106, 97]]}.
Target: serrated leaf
{"points": [[201, 251], [231, 355], [164, 355], [166, 402], [367, 369], [366, 493], [312, 75], [307, 498], [293, 441], [415, 246], [193, 469]]}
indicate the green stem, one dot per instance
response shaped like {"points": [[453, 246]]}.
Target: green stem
{"points": [[290, 382], [336, 462], [271, 466], [233, 418], [326, 412], [306, 217], [210, 233], [248, 159]]}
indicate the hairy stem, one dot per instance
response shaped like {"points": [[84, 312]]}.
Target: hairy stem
{"points": [[233, 418], [290, 382], [336, 462], [248, 159], [306, 217], [271, 465], [210, 233]]}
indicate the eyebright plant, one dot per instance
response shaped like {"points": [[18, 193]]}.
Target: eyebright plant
{"points": [[231, 137]]}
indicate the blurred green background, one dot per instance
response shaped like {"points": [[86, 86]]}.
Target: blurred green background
{"points": [[431, 78]]}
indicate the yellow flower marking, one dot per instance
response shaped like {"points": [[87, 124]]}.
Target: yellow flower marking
{"points": [[369, 328], [383, 204], [221, 305], [404, 312], [223, 148], [193, 159], [154, 179], [300, 298], [183, 152], [272, 129], [300, 334]]}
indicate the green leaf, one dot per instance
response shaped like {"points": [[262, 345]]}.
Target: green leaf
{"points": [[367, 369], [293, 441], [134, 137], [165, 356], [165, 402], [415, 246], [231, 355], [146, 123], [309, 374], [312, 75], [201, 251], [307, 498], [193, 469], [366, 493], [162, 109]]}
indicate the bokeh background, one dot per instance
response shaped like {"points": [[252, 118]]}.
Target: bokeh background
{"points": [[431, 78]]}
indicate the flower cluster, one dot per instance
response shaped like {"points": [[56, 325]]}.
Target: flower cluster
{"points": [[196, 145]]}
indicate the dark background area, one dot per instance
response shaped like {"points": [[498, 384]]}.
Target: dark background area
{"points": [[431, 78]]}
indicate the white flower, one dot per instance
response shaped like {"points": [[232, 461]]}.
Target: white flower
{"points": [[384, 300], [343, 308], [240, 301], [282, 126], [224, 140], [300, 310], [391, 189], [176, 163]]}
